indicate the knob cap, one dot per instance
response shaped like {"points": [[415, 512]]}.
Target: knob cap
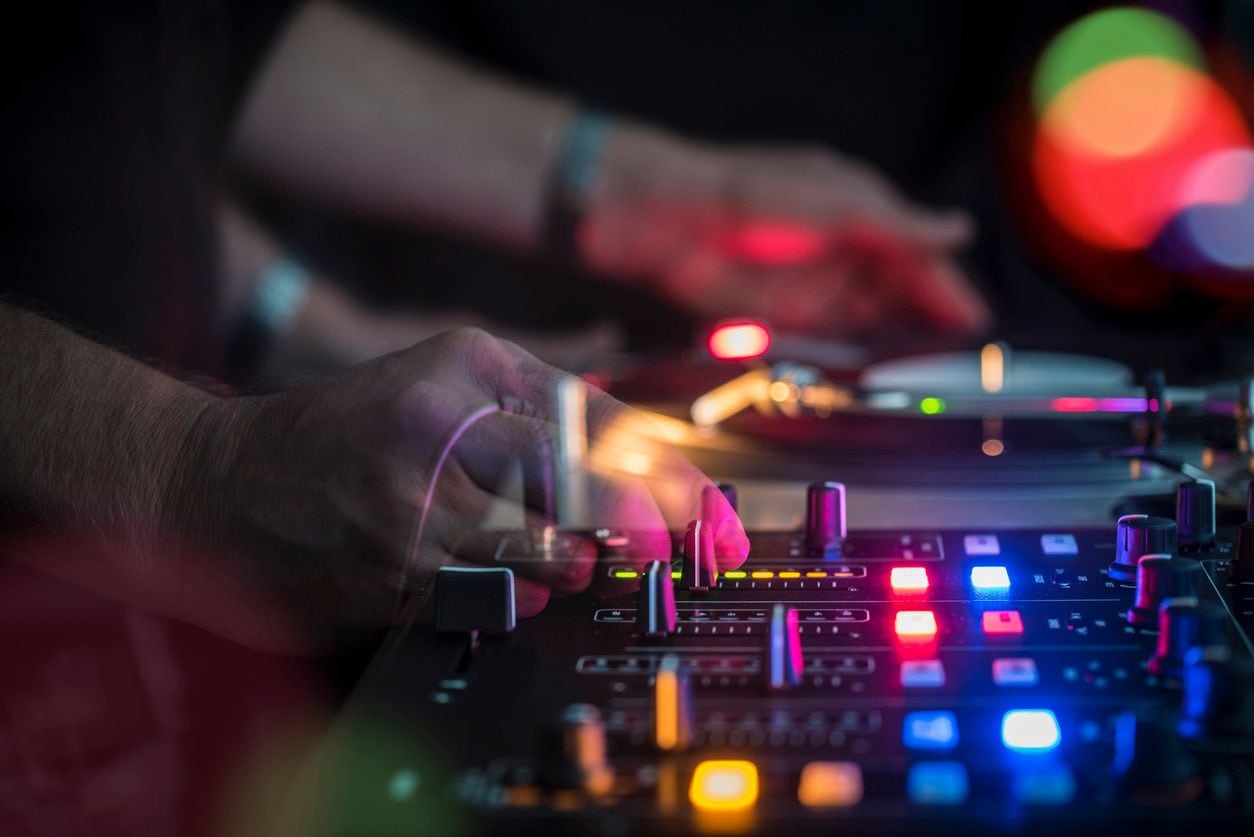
{"points": [[1195, 513], [672, 705], [1137, 535], [1218, 701], [655, 614], [474, 599], [825, 517], [1160, 577], [784, 659], [700, 569], [573, 754], [1241, 566], [1151, 763], [1184, 624]]}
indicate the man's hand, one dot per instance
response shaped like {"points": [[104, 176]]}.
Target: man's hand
{"points": [[802, 237], [314, 496]]}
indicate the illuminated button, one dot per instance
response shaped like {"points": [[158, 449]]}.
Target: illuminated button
{"points": [[930, 730], [735, 574], [915, 626], [981, 545], [1059, 545], [990, 578], [762, 574], [816, 574], [626, 574], [922, 673], [908, 579], [1002, 622], [1015, 671], [724, 786], [937, 783], [790, 574], [830, 784], [1030, 730], [1050, 785]]}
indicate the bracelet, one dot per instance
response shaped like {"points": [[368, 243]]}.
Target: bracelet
{"points": [[277, 297], [570, 181]]}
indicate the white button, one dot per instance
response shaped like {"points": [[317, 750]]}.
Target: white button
{"points": [[922, 673], [981, 545], [1059, 545], [1015, 671]]}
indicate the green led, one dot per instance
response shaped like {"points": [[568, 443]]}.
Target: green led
{"points": [[676, 574], [932, 406], [625, 573], [736, 574]]}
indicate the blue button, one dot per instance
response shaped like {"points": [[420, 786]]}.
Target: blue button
{"points": [[1030, 730], [1059, 545], [990, 578], [981, 545], [1050, 785], [930, 730], [922, 673], [937, 783], [1015, 671]]}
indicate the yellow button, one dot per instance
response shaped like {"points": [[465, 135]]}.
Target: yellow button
{"points": [[762, 574], [790, 574], [830, 784], [724, 785], [816, 574]]}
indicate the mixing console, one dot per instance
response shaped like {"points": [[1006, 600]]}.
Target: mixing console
{"points": [[853, 681]]}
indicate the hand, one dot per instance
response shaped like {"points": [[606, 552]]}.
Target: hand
{"points": [[801, 237], [312, 497]]}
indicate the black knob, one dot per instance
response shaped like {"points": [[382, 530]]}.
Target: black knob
{"points": [[1185, 624], [700, 568], [573, 754], [784, 659], [1137, 535], [655, 613], [729, 492], [1160, 577], [1195, 513], [1241, 565], [1218, 701], [825, 517], [474, 599], [1151, 763]]}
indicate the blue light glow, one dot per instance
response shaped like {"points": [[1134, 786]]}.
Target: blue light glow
{"points": [[990, 578], [930, 730], [937, 783], [1030, 730]]}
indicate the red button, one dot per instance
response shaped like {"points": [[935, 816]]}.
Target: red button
{"points": [[1003, 622]]}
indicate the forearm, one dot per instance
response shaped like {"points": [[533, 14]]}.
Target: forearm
{"points": [[90, 440], [363, 118]]}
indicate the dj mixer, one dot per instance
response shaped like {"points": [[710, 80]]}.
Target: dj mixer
{"points": [[843, 681]]}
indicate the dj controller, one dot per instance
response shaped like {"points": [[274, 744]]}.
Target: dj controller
{"points": [[956, 675]]}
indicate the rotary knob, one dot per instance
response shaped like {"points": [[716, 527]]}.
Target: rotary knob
{"points": [[1160, 577], [1151, 763], [1185, 624], [573, 752], [1241, 566], [1195, 513], [825, 517], [1218, 701], [1137, 535]]}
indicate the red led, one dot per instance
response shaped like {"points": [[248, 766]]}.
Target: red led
{"points": [[1002, 622], [908, 579], [739, 341], [915, 626]]}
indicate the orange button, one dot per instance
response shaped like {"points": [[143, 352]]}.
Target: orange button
{"points": [[1002, 622], [915, 625], [724, 785], [908, 579]]}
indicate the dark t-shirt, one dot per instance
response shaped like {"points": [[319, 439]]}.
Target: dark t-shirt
{"points": [[116, 114]]}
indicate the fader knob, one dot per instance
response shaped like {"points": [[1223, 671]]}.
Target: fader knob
{"points": [[700, 569], [1185, 624], [1137, 535], [573, 753], [1219, 697], [1160, 577], [672, 705], [1195, 513], [1242, 564], [784, 659], [825, 517], [655, 612]]}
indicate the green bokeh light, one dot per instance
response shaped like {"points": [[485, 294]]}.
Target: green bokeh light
{"points": [[932, 406], [1107, 36]]}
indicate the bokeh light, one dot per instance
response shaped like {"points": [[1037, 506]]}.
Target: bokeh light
{"points": [[1135, 138]]}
